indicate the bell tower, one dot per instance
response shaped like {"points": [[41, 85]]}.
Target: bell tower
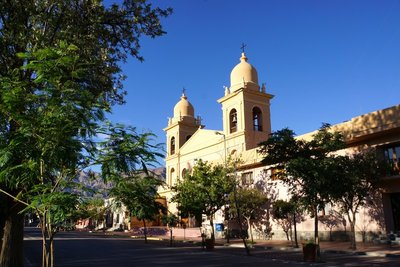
{"points": [[246, 106], [182, 126]]}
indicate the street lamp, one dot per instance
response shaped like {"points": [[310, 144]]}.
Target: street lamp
{"points": [[223, 135], [226, 196]]}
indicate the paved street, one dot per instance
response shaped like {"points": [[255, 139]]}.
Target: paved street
{"points": [[85, 249]]}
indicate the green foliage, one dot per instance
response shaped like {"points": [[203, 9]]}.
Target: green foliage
{"points": [[283, 212], [357, 177], [280, 147], [283, 209], [251, 202], [203, 191], [59, 72], [316, 176], [47, 137], [92, 208], [171, 220], [139, 195], [55, 208], [124, 151], [309, 244], [105, 35], [307, 167], [124, 157]]}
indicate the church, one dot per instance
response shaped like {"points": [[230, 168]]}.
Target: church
{"points": [[246, 122]]}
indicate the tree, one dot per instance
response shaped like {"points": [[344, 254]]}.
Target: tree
{"points": [[331, 220], [288, 214], [268, 186], [171, 220], [139, 195], [50, 135], [203, 191], [307, 167], [358, 176], [104, 36], [54, 209], [251, 202], [282, 212], [124, 157], [92, 208]]}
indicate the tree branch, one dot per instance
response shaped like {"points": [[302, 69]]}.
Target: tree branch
{"points": [[16, 199]]}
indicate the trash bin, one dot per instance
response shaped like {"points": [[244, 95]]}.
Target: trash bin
{"points": [[219, 227]]}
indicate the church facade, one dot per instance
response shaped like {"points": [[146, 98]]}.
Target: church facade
{"points": [[246, 122]]}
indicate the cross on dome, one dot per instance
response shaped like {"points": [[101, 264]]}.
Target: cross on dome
{"points": [[243, 47]]}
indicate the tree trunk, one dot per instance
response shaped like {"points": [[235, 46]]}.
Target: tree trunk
{"points": [[203, 237], [50, 234], [51, 254], [287, 234], [145, 231], [2, 223], [44, 244], [45, 240], [352, 222], [249, 230], [212, 228], [240, 221], [13, 236], [316, 237], [296, 244], [170, 234], [45, 253]]}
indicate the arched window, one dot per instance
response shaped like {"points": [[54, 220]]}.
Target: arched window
{"points": [[184, 172], [172, 146], [172, 177], [233, 121], [257, 119]]}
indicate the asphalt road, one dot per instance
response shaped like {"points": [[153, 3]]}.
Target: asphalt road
{"points": [[85, 249]]}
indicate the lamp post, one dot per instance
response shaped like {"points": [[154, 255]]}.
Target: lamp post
{"points": [[223, 135], [226, 197]]}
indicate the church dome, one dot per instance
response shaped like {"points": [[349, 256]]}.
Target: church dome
{"points": [[244, 73], [183, 108]]}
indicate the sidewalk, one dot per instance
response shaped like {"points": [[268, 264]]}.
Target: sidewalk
{"points": [[370, 249], [334, 247]]}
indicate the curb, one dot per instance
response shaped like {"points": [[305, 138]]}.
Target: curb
{"points": [[240, 245], [345, 252], [362, 253]]}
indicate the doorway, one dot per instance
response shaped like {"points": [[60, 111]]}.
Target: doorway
{"points": [[395, 201]]}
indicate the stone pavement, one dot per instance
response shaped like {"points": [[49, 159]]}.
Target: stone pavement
{"points": [[334, 247], [371, 249], [332, 253]]}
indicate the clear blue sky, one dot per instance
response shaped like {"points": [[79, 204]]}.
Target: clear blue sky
{"points": [[325, 61]]}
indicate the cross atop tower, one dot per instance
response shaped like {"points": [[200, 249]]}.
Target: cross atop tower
{"points": [[243, 47]]}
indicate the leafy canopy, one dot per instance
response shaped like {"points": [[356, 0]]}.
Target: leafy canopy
{"points": [[250, 201], [203, 191], [307, 167]]}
